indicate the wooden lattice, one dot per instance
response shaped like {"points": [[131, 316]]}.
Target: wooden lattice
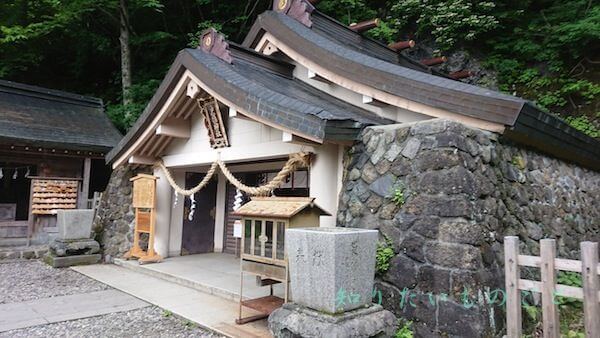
{"points": [[52, 195]]}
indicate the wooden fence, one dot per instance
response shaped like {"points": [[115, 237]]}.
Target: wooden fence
{"points": [[548, 264]]}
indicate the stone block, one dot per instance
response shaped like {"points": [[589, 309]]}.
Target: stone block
{"points": [[73, 247], [61, 262], [331, 269], [292, 320], [74, 224]]}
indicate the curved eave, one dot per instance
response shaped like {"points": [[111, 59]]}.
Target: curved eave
{"points": [[552, 135], [250, 97], [434, 91]]}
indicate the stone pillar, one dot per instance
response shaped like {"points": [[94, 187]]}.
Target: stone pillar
{"points": [[164, 192], [331, 281], [324, 181], [176, 228]]}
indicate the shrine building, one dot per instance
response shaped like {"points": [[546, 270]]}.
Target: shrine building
{"points": [[301, 82], [52, 149]]}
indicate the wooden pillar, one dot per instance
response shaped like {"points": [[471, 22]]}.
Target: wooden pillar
{"points": [[513, 295], [221, 206], [85, 184], [550, 321], [164, 194], [591, 287]]}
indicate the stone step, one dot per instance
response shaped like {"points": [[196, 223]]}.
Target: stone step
{"points": [[11, 242], [13, 229], [22, 252], [199, 286]]}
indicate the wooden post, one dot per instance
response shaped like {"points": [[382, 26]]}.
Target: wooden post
{"points": [[591, 286], [85, 184], [513, 295], [548, 273]]}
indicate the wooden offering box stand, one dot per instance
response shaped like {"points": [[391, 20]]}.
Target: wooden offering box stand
{"points": [[264, 220], [144, 203]]}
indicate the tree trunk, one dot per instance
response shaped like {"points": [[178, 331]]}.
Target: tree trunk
{"points": [[125, 51]]}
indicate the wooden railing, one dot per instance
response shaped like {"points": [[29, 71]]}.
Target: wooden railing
{"points": [[549, 264]]}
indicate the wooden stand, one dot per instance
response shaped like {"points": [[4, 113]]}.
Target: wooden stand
{"points": [[144, 203], [264, 220]]}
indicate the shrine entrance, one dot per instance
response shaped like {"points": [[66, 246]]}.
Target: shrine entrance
{"points": [[199, 217]]}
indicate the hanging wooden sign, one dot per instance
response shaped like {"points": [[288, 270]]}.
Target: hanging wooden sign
{"points": [[214, 123]]}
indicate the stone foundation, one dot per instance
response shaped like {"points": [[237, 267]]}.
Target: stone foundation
{"points": [[445, 195], [294, 321]]}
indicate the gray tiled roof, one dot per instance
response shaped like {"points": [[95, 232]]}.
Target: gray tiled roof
{"points": [[251, 84], [38, 116], [355, 61]]}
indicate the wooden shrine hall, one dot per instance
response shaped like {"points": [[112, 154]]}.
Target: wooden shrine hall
{"points": [[52, 146], [301, 82]]}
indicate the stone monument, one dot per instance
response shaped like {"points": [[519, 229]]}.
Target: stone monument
{"points": [[73, 244], [331, 284]]}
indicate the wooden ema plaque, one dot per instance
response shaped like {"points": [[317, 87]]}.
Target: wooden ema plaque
{"points": [[50, 195], [144, 199]]}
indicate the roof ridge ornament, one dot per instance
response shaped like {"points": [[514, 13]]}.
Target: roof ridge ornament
{"points": [[297, 9], [213, 42]]}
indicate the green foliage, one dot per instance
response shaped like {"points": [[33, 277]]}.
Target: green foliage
{"points": [[167, 313], [584, 125], [398, 196], [405, 330], [447, 21], [384, 255], [124, 116], [397, 193], [542, 50]]}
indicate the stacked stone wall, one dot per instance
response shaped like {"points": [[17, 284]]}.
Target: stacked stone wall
{"points": [[445, 195], [114, 220]]}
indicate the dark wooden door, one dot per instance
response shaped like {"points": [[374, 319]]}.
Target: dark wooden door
{"points": [[199, 232]]}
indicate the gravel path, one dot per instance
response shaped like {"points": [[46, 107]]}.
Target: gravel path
{"points": [[147, 322], [28, 280]]}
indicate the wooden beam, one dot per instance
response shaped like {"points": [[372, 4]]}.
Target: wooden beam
{"points": [[374, 102], [232, 112], [461, 74], [364, 25], [400, 45], [314, 76], [434, 61], [174, 127], [142, 160], [288, 137]]}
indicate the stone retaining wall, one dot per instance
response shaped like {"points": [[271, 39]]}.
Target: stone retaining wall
{"points": [[113, 224], [459, 191]]}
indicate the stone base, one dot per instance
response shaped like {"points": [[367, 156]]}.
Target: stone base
{"points": [[295, 321], [74, 247], [61, 262]]}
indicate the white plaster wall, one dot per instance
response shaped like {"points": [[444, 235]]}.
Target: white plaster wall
{"points": [[163, 214], [241, 132], [390, 112]]}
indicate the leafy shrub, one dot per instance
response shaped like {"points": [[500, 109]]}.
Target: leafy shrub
{"points": [[584, 125], [405, 330], [384, 255]]}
